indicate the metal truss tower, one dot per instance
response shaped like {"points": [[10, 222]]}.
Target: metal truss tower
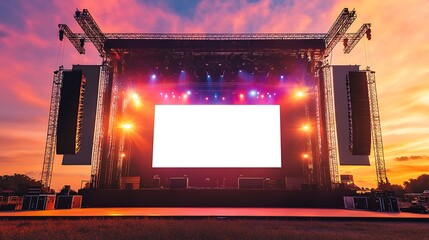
{"points": [[377, 139], [330, 124], [48, 160]]}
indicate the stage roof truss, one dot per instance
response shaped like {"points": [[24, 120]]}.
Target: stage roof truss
{"points": [[336, 33]]}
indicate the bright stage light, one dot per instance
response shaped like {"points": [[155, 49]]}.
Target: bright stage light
{"points": [[305, 155], [126, 126], [252, 93], [122, 154], [153, 77], [299, 94], [305, 128], [241, 96], [136, 99], [188, 92]]}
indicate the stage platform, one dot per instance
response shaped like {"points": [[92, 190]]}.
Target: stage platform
{"points": [[259, 198], [262, 213]]}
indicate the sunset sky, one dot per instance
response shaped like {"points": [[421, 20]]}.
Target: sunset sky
{"points": [[30, 52]]}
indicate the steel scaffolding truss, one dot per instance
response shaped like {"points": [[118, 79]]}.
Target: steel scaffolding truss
{"points": [[91, 29], [74, 38], [48, 160], [330, 124], [98, 132], [354, 38], [337, 31], [377, 139]]}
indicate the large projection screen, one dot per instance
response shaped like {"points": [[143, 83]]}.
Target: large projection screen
{"points": [[217, 136]]}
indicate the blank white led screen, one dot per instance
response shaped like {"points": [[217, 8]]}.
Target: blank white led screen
{"points": [[217, 136]]}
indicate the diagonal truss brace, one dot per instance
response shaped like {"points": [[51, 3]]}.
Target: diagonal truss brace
{"points": [[354, 38], [91, 29], [337, 31], [74, 38]]}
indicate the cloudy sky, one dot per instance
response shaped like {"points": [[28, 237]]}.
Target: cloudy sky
{"points": [[30, 52]]}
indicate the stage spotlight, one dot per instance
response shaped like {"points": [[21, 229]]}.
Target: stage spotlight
{"points": [[252, 93], [122, 154], [185, 96], [305, 156], [223, 98], [136, 99], [207, 98], [241, 96], [153, 77], [188, 92], [300, 94], [305, 128], [282, 77], [126, 126]]}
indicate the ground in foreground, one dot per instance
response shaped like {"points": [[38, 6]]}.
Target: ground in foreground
{"points": [[211, 228]]}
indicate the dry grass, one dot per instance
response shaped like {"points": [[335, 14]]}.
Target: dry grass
{"points": [[209, 229]]}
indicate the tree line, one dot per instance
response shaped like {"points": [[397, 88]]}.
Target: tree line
{"points": [[20, 183]]}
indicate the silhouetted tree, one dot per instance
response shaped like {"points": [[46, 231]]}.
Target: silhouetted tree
{"points": [[417, 185], [19, 183], [398, 189]]}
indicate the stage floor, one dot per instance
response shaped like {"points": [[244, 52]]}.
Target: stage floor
{"points": [[292, 213]]}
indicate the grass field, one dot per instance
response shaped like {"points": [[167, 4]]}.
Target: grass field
{"points": [[209, 229]]}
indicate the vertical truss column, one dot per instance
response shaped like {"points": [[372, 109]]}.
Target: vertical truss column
{"points": [[111, 133], [318, 158], [99, 128], [377, 139], [330, 124], [48, 160]]}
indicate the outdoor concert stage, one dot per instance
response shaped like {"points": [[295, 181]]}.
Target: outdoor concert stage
{"points": [[247, 120]]}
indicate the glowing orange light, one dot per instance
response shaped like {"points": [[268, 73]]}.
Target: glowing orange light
{"points": [[300, 94], [122, 154], [185, 96], [136, 99], [241, 96], [305, 155], [126, 126], [134, 96], [306, 128]]}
